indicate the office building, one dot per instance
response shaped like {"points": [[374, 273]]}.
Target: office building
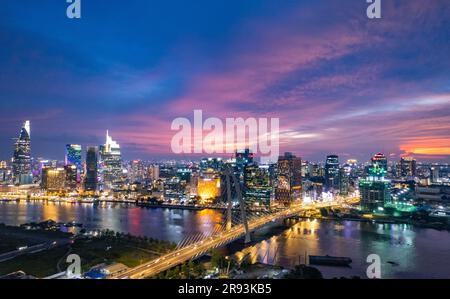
{"points": [[408, 167], [21, 161], [375, 190], [111, 164], [380, 160], [257, 186], [344, 181], [53, 179], [91, 173], [332, 172], [289, 179], [73, 155]]}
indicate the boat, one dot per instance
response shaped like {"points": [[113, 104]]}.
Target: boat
{"points": [[330, 260]]}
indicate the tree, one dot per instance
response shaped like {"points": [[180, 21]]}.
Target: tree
{"points": [[216, 259]]}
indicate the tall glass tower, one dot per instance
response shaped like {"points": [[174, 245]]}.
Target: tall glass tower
{"points": [[90, 183], [332, 172], [73, 155], [111, 163], [22, 157]]}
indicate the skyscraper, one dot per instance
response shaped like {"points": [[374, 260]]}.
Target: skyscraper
{"points": [[90, 183], [53, 179], [136, 171], [257, 186], [344, 181], [332, 172], [111, 163], [374, 190], [73, 155], [289, 179], [22, 156], [243, 158], [408, 167], [381, 160]]}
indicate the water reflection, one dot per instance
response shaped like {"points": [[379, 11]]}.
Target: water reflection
{"points": [[164, 224], [405, 251], [419, 253]]}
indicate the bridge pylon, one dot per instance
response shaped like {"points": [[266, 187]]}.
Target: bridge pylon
{"points": [[230, 173]]}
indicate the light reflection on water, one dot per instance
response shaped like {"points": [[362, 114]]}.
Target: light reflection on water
{"points": [[420, 253], [164, 224]]}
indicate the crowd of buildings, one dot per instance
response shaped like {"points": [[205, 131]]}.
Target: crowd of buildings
{"points": [[101, 171]]}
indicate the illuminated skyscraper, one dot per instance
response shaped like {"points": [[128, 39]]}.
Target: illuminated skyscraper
{"points": [[381, 160], [22, 156], [344, 181], [153, 172], [72, 176], [332, 172], [243, 158], [374, 190], [136, 172], [111, 163], [408, 167], [53, 179], [289, 179], [90, 183], [257, 186], [73, 155]]}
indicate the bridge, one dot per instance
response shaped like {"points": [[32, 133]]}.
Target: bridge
{"points": [[228, 233], [201, 247]]}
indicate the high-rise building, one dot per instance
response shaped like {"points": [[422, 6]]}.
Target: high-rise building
{"points": [[22, 157], [434, 174], [136, 173], [257, 186], [153, 172], [344, 181], [4, 172], [111, 163], [72, 177], [380, 160], [289, 179], [211, 165], [53, 179], [375, 190], [73, 155], [243, 158], [408, 167], [90, 183], [332, 172]]}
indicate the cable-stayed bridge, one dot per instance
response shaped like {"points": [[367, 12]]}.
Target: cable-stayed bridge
{"points": [[236, 226], [199, 246]]}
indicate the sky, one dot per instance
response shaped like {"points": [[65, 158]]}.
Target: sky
{"points": [[339, 82]]}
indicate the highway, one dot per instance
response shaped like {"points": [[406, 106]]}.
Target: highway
{"points": [[184, 254]]}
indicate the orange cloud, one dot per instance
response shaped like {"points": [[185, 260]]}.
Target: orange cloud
{"points": [[427, 146]]}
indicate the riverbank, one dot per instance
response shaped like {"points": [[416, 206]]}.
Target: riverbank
{"points": [[105, 247]]}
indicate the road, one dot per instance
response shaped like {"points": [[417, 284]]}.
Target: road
{"points": [[184, 254], [33, 249]]}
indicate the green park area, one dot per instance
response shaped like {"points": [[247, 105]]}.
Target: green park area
{"points": [[105, 248]]}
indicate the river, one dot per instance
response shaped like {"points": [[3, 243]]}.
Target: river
{"points": [[416, 252]]}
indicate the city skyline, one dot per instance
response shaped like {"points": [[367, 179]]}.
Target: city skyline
{"points": [[339, 83], [197, 157]]}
